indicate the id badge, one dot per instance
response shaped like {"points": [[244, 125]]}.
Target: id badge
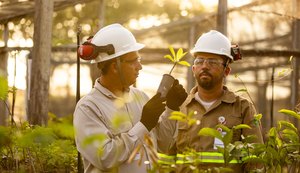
{"points": [[218, 142]]}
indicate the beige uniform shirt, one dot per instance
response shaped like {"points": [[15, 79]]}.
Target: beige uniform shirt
{"points": [[101, 112], [231, 109]]}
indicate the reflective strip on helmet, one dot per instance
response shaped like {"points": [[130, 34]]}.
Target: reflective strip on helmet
{"points": [[166, 159]]}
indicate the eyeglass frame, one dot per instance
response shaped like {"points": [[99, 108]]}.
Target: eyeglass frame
{"points": [[213, 62], [133, 61]]}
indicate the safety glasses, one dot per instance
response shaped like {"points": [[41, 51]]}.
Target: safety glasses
{"points": [[211, 62]]}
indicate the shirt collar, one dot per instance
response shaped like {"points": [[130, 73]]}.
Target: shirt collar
{"points": [[106, 91]]}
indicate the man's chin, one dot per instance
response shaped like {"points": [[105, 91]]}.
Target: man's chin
{"points": [[205, 85]]}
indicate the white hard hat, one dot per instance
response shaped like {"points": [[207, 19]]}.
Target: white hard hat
{"points": [[213, 42], [121, 38]]}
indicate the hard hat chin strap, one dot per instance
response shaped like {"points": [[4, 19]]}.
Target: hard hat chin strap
{"points": [[122, 78], [226, 63], [224, 70]]}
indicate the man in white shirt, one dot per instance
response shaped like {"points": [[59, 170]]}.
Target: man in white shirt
{"points": [[112, 100]]}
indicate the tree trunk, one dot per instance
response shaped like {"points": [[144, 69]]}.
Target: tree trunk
{"points": [[296, 62], [4, 112], [40, 72], [222, 17]]}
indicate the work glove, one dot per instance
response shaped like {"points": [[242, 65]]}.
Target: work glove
{"points": [[176, 96], [152, 110]]}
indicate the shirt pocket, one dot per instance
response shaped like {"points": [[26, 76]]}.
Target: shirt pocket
{"points": [[183, 136], [234, 120]]}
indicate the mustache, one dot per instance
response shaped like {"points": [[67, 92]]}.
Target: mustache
{"points": [[205, 73]]}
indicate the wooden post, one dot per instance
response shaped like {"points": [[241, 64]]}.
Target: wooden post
{"points": [[192, 41], [296, 62], [38, 107], [222, 17], [4, 112], [261, 100]]}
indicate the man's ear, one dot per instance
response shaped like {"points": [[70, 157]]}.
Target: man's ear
{"points": [[193, 68], [113, 67]]}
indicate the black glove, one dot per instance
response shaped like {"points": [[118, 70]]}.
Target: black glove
{"points": [[152, 110], [176, 96]]}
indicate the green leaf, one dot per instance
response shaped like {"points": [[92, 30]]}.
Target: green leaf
{"points": [[177, 118], [185, 63], [221, 150], [63, 130], [210, 132], [5, 136], [282, 72], [227, 138], [178, 113], [279, 142], [290, 112], [242, 126], [172, 52], [94, 138], [241, 90], [224, 128], [272, 132], [291, 58], [169, 57], [258, 116], [190, 114], [253, 160], [38, 136], [120, 119], [290, 135], [3, 88], [256, 120], [191, 121], [287, 125], [179, 54], [182, 55]]}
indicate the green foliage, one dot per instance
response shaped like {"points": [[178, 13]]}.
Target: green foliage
{"points": [[280, 153], [26, 148], [229, 149], [62, 127], [176, 57], [179, 116], [96, 138], [291, 113], [210, 132]]}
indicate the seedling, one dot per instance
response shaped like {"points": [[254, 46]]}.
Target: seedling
{"points": [[176, 58]]}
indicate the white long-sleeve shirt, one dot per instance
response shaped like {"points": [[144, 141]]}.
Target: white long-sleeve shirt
{"points": [[99, 113]]}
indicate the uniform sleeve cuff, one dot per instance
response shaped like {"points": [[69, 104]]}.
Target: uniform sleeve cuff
{"points": [[138, 130]]}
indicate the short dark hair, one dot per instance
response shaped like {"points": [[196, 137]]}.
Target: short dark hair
{"points": [[104, 66], [225, 58]]}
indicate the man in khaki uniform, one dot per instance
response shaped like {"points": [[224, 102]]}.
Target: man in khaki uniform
{"points": [[212, 104], [112, 120]]}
